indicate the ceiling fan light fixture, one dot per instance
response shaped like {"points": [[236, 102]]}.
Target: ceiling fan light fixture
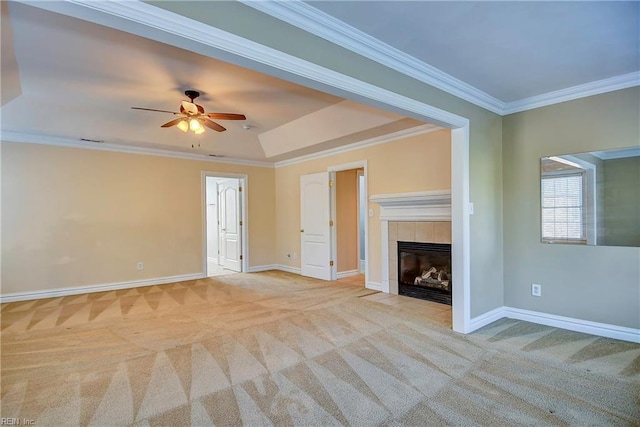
{"points": [[183, 126], [194, 125], [192, 117]]}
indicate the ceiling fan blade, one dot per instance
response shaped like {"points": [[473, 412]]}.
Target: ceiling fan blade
{"points": [[189, 107], [152, 109], [172, 123], [213, 125], [226, 116]]}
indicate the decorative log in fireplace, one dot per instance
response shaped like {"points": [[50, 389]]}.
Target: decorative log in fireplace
{"points": [[424, 271]]}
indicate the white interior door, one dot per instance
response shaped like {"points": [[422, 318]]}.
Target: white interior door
{"points": [[315, 231], [230, 228]]}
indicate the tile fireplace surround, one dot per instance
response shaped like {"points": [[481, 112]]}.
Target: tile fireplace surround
{"points": [[420, 232], [423, 217]]}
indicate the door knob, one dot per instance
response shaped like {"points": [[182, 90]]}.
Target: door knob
{"points": [[302, 231]]}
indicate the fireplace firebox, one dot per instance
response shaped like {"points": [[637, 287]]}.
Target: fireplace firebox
{"points": [[424, 271]]}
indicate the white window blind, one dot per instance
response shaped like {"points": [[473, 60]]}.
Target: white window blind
{"points": [[562, 207]]}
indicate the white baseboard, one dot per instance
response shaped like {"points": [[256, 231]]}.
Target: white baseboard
{"points": [[578, 325], [344, 274], [486, 318], [374, 286], [259, 268], [362, 265], [63, 292], [295, 270], [288, 269], [594, 328]]}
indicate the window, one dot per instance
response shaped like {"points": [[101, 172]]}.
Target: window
{"points": [[563, 216]]}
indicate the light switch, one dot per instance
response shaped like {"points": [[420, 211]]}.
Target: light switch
{"points": [[370, 212], [471, 208]]}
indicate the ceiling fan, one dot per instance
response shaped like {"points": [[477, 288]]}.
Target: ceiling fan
{"points": [[192, 116]]}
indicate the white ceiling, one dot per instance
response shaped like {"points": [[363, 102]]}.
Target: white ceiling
{"points": [[78, 79], [510, 50], [505, 56]]}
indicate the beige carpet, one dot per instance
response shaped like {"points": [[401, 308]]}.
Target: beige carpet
{"points": [[277, 349]]}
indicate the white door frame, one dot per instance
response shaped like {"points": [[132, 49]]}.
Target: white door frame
{"points": [[244, 206], [219, 225], [334, 237], [161, 25], [362, 212], [216, 257]]}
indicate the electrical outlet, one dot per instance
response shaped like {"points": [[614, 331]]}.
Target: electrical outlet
{"points": [[140, 266], [536, 290]]}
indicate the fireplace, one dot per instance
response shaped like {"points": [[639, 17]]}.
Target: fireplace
{"points": [[424, 271]]}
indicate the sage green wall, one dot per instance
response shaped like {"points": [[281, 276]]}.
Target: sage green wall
{"points": [[487, 290], [596, 283], [621, 184]]}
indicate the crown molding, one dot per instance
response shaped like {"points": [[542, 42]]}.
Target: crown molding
{"points": [[30, 138], [575, 92], [158, 24], [321, 24], [312, 20], [405, 133]]}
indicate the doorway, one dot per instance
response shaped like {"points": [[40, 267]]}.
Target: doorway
{"points": [[362, 209], [224, 224], [350, 236], [349, 207]]}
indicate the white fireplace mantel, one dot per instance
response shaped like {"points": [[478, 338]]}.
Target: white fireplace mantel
{"points": [[417, 206]]}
